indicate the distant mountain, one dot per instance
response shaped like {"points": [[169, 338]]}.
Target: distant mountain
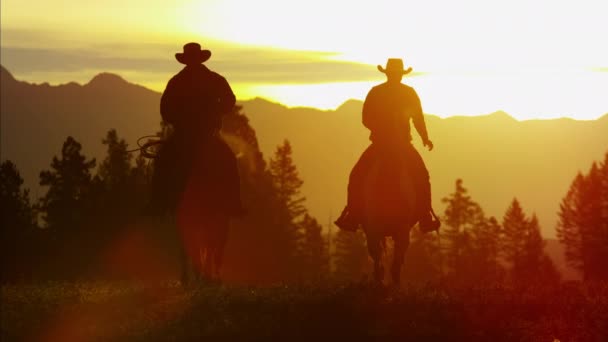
{"points": [[36, 118], [497, 157]]}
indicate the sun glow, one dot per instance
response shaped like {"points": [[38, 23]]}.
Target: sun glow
{"points": [[432, 34], [544, 58], [531, 59], [521, 95]]}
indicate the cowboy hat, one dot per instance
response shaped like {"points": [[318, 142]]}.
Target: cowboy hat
{"points": [[193, 54], [394, 65]]}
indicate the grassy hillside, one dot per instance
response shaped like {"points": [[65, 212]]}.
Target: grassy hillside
{"points": [[107, 311]]}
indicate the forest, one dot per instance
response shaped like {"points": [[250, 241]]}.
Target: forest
{"points": [[90, 229]]}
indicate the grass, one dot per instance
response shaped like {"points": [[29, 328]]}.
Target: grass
{"points": [[166, 312]]}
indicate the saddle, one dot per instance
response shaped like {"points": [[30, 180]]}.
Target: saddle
{"points": [[207, 168]]}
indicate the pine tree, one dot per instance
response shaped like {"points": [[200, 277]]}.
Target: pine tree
{"points": [[350, 255], [141, 177], [570, 222], [538, 265], [262, 245], [461, 216], [114, 170], [524, 248], [487, 236], [113, 197], [583, 224], [19, 233], [423, 258], [68, 182], [515, 226], [461, 210], [313, 249], [17, 211], [287, 184], [66, 207], [287, 181]]}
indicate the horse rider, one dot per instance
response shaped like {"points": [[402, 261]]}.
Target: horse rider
{"points": [[194, 103], [387, 111]]}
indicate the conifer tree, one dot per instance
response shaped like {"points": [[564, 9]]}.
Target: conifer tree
{"points": [[114, 170], [314, 252], [423, 258], [66, 209], [583, 222], [350, 255], [19, 234], [287, 184], [524, 248], [487, 236], [515, 226], [287, 181], [68, 182], [461, 216], [262, 246]]}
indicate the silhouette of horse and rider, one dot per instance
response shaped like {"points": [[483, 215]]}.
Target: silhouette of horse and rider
{"points": [[196, 174]]}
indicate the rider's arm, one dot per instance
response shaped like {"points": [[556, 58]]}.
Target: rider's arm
{"points": [[168, 102], [369, 119], [227, 100], [418, 117]]}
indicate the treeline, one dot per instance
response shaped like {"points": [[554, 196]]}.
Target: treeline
{"points": [[476, 249], [93, 215], [583, 222], [92, 211]]}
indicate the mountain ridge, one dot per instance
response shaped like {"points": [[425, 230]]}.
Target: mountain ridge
{"points": [[108, 79], [36, 119]]}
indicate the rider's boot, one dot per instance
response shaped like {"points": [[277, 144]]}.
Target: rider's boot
{"points": [[348, 221], [429, 222]]}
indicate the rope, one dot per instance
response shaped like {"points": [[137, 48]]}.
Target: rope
{"points": [[144, 148]]}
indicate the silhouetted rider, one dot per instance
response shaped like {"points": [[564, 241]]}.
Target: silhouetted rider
{"points": [[196, 98], [194, 103], [387, 111]]}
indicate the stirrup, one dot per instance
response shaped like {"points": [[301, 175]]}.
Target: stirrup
{"points": [[433, 224], [346, 223]]}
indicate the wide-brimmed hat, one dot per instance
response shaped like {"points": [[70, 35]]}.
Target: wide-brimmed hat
{"points": [[193, 54], [394, 65]]}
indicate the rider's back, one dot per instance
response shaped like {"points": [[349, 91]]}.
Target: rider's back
{"points": [[194, 99], [387, 111]]}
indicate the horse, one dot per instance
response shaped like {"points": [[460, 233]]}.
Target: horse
{"points": [[388, 211], [205, 208], [204, 234], [192, 187]]}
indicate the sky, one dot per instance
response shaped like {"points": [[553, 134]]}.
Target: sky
{"points": [[532, 58]]}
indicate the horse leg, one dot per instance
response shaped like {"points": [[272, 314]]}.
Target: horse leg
{"points": [[198, 257], [374, 247], [216, 262], [184, 262], [206, 261], [402, 242], [190, 256], [207, 250], [219, 245]]}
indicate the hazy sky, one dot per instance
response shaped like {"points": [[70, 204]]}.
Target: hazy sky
{"points": [[533, 58]]}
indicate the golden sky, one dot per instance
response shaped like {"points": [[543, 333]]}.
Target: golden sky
{"points": [[532, 59]]}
